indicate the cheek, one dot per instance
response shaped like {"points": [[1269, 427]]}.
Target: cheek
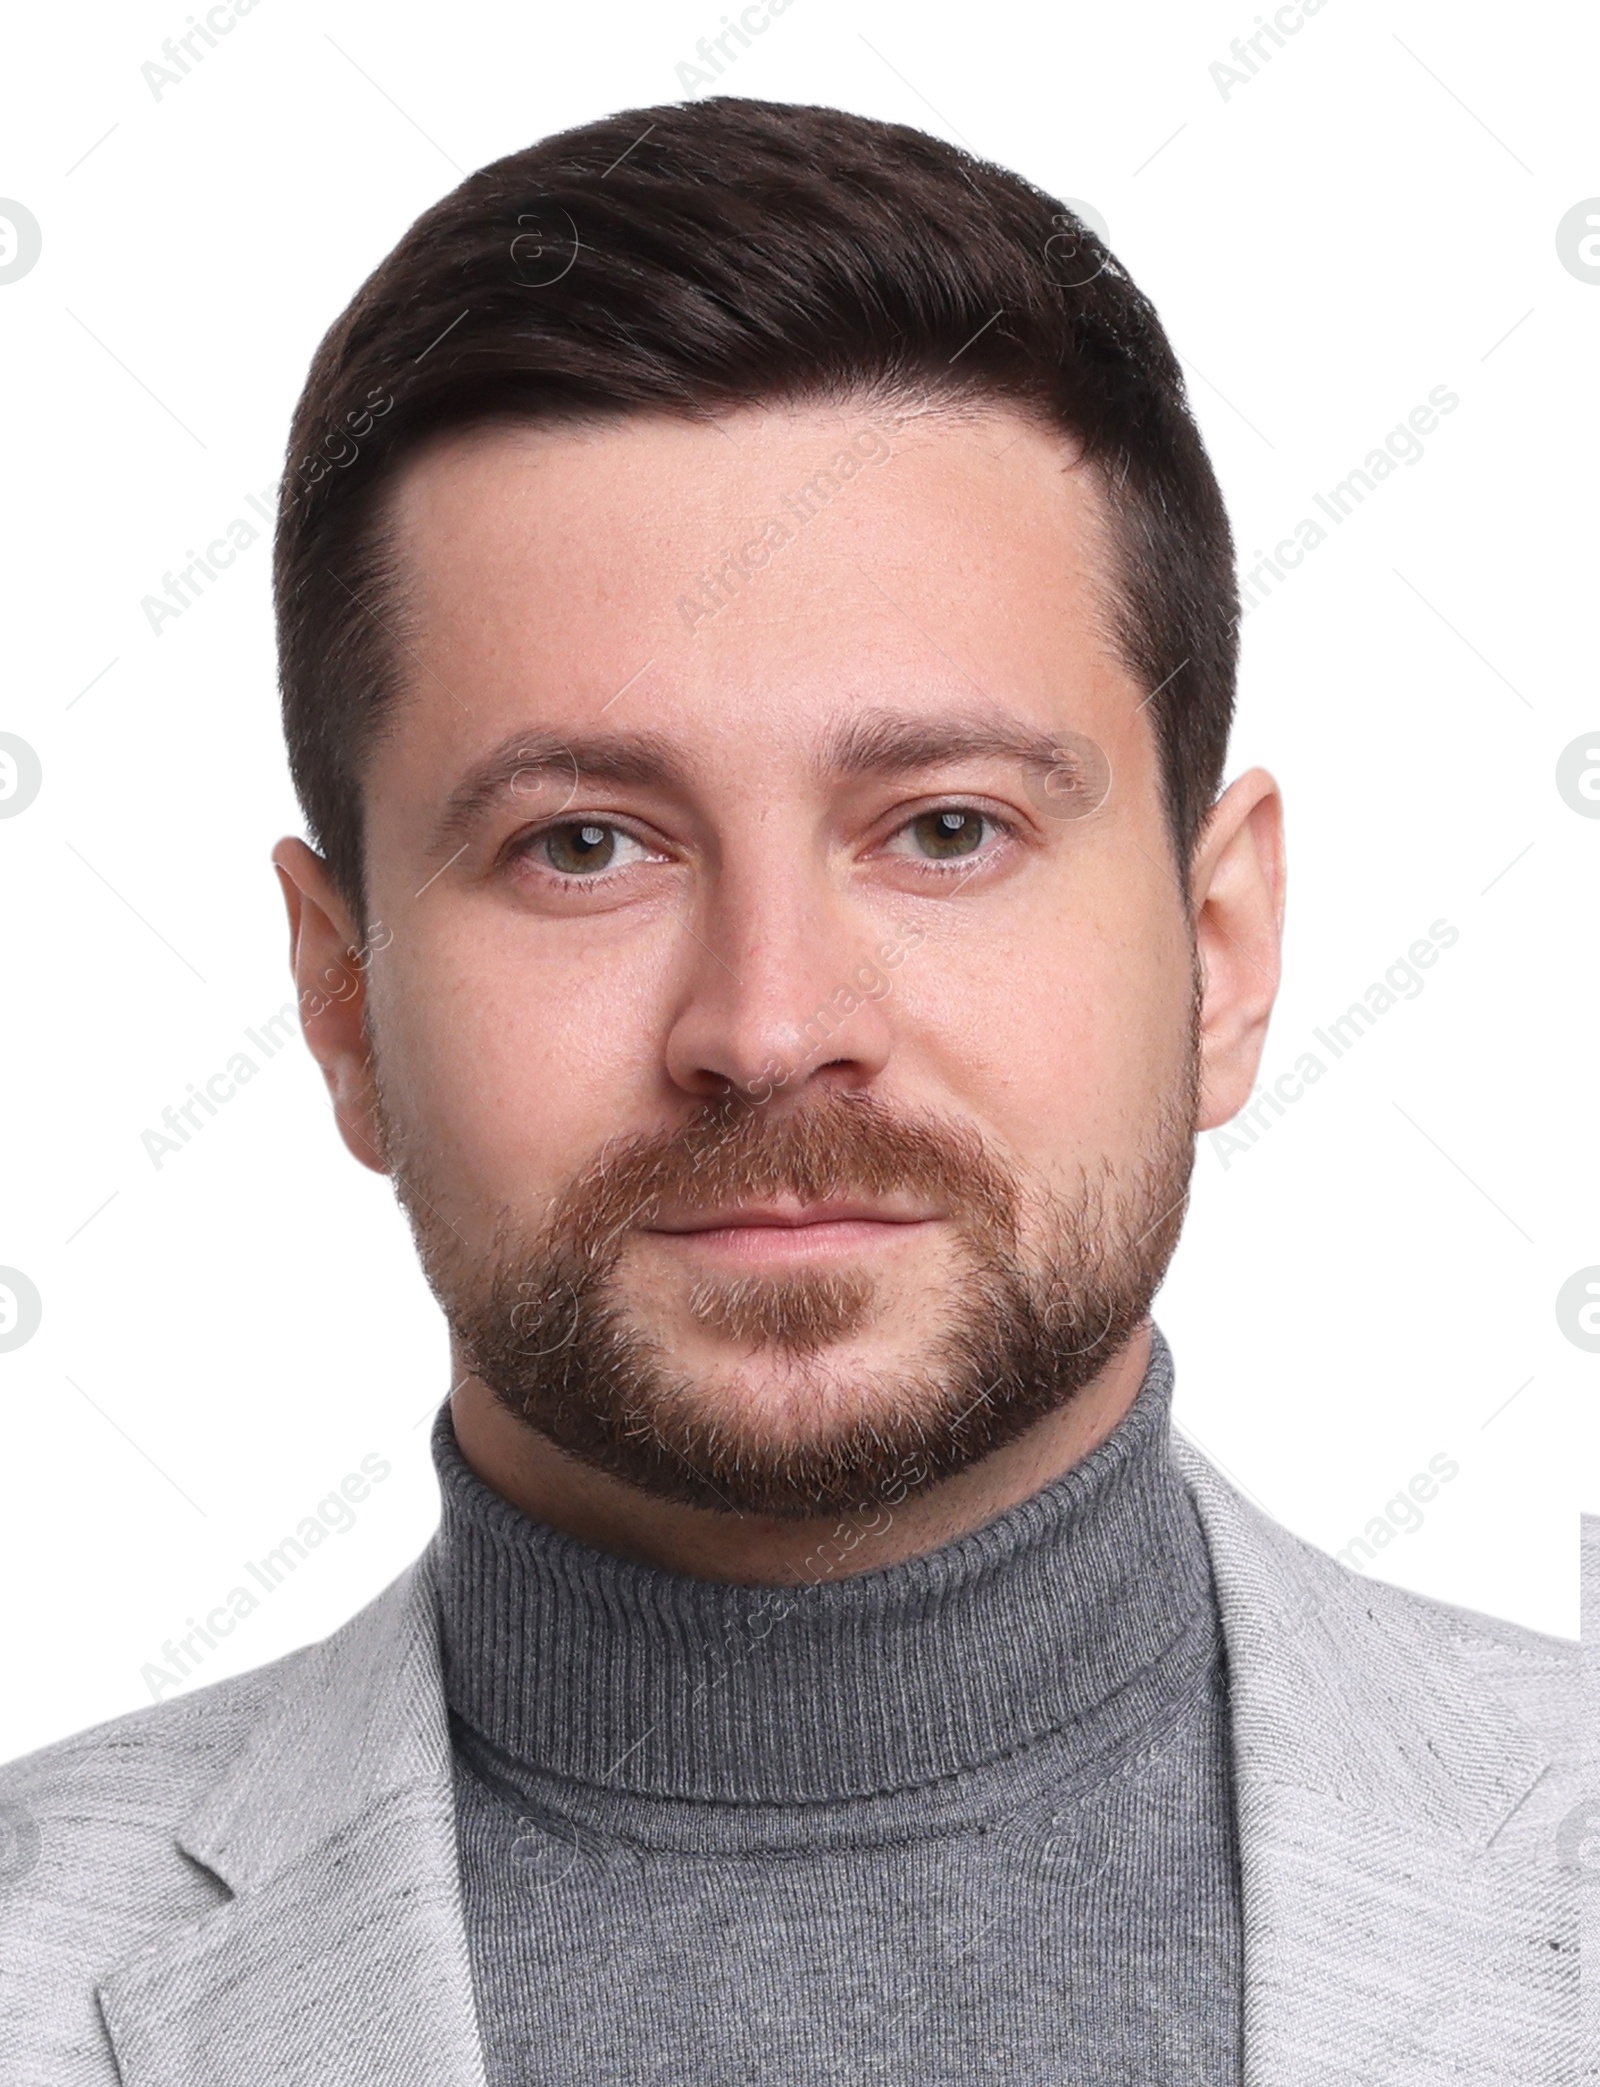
{"points": [[512, 1068], [1064, 1040]]}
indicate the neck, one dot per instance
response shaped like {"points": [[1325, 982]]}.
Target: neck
{"points": [[762, 1550]]}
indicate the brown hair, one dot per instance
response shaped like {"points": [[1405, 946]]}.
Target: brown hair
{"points": [[691, 259]]}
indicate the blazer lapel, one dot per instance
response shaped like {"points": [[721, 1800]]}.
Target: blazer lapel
{"points": [[342, 1955], [1403, 1920]]}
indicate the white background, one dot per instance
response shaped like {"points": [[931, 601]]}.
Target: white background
{"points": [[1370, 216]]}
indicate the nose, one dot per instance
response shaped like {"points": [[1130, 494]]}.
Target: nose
{"points": [[783, 988]]}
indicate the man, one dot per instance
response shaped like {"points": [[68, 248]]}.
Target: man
{"points": [[757, 629]]}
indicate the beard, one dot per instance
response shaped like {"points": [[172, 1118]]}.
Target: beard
{"points": [[1041, 1293]]}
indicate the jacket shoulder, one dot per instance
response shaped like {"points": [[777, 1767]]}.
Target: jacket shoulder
{"points": [[145, 1759], [1506, 1656], [90, 1861], [1534, 1673], [1376, 1656]]}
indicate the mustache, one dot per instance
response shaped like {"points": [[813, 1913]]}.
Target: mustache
{"points": [[839, 1145]]}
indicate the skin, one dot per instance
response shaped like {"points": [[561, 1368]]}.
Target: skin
{"points": [[522, 1020]]}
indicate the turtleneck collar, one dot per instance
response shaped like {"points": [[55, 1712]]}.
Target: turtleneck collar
{"points": [[1068, 1614]]}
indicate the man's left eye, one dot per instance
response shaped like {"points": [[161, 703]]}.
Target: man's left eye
{"points": [[946, 835]]}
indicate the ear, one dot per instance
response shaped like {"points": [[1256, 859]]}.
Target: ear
{"points": [[1237, 893], [328, 957]]}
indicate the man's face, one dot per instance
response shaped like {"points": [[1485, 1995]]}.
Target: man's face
{"points": [[784, 1033]]}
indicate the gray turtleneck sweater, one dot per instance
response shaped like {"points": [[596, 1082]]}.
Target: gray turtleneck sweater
{"points": [[962, 1819]]}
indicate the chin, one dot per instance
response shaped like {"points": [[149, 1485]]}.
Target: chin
{"points": [[790, 1398]]}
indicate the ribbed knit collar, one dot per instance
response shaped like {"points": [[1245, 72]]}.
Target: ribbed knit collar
{"points": [[578, 1664]]}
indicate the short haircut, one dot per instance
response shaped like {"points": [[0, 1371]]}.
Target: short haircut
{"points": [[692, 259]]}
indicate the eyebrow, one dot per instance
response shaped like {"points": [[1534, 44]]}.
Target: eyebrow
{"points": [[888, 742], [871, 743], [638, 759]]}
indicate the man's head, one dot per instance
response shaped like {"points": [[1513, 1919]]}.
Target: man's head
{"points": [[761, 646]]}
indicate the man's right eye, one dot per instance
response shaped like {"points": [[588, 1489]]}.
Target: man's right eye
{"points": [[584, 847]]}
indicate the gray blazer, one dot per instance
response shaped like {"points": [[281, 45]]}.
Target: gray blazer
{"points": [[255, 1885]]}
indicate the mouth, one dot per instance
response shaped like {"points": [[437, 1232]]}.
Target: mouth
{"points": [[768, 1234]]}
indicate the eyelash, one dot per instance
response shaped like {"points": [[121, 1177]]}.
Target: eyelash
{"points": [[522, 848]]}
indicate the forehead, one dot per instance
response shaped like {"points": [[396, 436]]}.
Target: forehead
{"points": [[741, 586]]}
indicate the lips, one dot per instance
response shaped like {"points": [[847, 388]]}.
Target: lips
{"points": [[778, 1234], [788, 1217]]}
